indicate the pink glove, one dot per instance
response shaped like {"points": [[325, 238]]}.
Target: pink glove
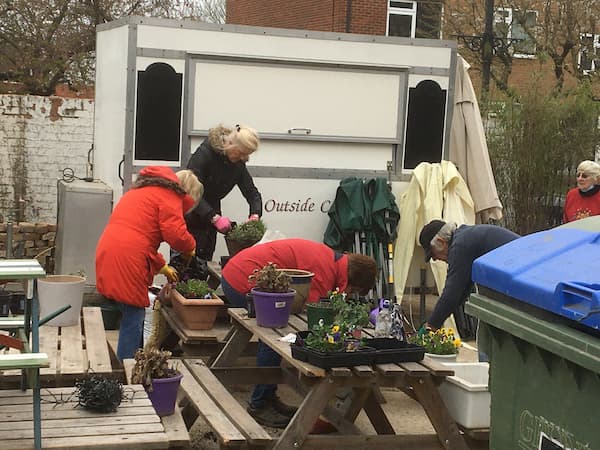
{"points": [[221, 223], [253, 217]]}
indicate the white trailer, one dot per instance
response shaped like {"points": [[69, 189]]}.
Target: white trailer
{"points": [[326, 105]]}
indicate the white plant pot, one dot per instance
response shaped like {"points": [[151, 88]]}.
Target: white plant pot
{"points": [[466, 394], [443, 358], [56, 291]]}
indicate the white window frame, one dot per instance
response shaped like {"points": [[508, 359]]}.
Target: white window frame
{"points": [[508, 20], [595, 45], [393, 11]]}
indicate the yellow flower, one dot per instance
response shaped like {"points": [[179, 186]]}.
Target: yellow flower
{"points": [[457, 342], [335, 328], [330, 339], [450, 331]]}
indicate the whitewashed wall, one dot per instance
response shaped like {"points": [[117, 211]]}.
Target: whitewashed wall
{"points": [[39, 137]]}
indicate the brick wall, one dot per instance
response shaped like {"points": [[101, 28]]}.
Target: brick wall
{"points": [[39, 137], [368, 16], [319, 15], [30, 240]]}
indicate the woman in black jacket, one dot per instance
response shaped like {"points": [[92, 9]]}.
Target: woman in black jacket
{"points": [[220, 165]]}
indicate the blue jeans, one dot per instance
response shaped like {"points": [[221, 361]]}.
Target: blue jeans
{"points": [[234, 298], [265, 357], [131, 332]]}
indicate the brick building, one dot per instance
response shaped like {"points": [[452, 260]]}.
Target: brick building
{"points": [[423, 19]]}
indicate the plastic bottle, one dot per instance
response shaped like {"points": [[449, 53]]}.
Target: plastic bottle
{"points": [[383, 324]]}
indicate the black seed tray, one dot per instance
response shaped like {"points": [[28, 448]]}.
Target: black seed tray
{"points": [[390, 350], [327, 360]]}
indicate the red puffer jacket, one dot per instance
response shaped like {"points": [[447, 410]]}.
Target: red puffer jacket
{"points": [[127, 255]]}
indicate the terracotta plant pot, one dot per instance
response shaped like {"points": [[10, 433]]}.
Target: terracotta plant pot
{"points": [[196, 313]]}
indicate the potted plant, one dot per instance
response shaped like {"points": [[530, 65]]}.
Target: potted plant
{"points": [[160, 380], [272, 296], [438, 344], [301, 281], [244, 235], [353, 314], [196, 304]]}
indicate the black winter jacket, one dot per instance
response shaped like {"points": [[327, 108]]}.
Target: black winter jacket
{"points": [[219, 176]]}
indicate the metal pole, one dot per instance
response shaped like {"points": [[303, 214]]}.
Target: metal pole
{"points": [[487, 48], [9, 239]]}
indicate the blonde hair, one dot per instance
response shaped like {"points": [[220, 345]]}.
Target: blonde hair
{"points": [[591, 169], [190, 183], [245, 137]]}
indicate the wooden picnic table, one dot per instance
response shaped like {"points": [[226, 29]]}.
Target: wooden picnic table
{"points": [[318, 386], [134, 425], [73, 352]]}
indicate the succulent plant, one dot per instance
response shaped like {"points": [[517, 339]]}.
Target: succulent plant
{"points": [[270, 279]]}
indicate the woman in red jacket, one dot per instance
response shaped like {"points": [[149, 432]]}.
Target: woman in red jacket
{"points": [[584, 200], [127, 256], [350, 272]]}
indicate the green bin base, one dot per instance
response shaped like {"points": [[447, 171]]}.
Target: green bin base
{"points": [[544, 378]]}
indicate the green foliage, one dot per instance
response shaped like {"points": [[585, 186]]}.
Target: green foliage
{"points": [[349, 312], [326, 338], [350, 316], [194, 288], [269, 279], [251, 231], [151, 363], [439, 342], [535, 144]]}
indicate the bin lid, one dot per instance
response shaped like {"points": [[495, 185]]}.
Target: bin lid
{"points": [[556, 270], [533, 326]]}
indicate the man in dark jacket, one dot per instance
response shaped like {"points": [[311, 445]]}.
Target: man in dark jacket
{"points": [[220, 165], [459, 247]]}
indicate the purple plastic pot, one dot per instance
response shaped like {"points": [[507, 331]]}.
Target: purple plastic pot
{"points": [[164, 394], [272, 308]]}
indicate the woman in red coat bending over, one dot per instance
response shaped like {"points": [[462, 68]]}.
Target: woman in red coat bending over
{"points": [[584, 200], [127, 256]]}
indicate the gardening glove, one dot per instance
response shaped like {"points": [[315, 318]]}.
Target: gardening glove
{"points": [[253, 217], [221, 223], [170, 273], [425, 328]]}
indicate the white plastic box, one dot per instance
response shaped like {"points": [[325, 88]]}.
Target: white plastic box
{"points": [[466, 394]]}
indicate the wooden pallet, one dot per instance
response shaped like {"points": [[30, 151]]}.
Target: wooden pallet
{"points": [[72, 351], [134, 425]]}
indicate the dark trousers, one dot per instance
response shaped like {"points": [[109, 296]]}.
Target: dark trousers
{"points": [[206, 240]]}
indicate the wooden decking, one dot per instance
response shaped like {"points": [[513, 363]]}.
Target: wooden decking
{"points": [[72, 351], [135, 425]]}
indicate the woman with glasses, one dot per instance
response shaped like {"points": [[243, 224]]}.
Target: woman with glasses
{"points": [[584, 200], [220, 165]]}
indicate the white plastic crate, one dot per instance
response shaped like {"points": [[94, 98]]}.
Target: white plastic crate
{"points": [[466, 394]]}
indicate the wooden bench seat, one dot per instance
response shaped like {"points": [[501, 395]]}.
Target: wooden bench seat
{"points": [[174, 425], [23, 361], [73, 352], [205, 394]]}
